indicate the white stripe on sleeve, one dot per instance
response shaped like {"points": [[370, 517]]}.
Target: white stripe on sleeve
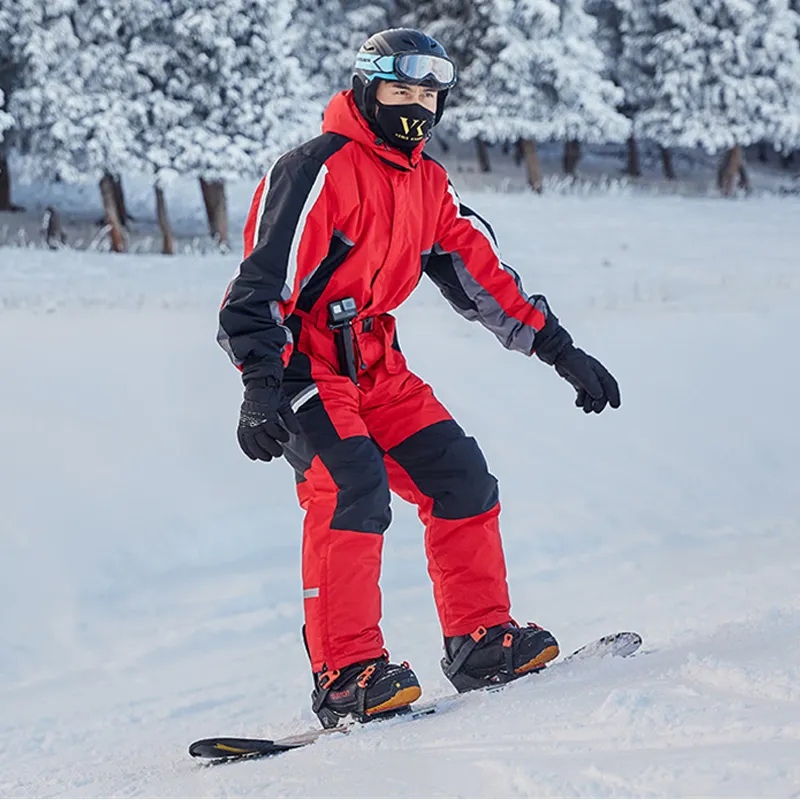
{"points": [[291, 267]]}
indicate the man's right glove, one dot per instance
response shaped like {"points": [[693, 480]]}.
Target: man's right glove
{"points": [[266, 419]]}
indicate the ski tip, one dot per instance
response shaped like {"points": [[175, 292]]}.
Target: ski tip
{"points": [[620, 645], [625, 643]]}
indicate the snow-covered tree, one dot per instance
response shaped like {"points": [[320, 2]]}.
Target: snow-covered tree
{"points": [[727, 74], [6, 120], [638, 21], [14, 21], [608, 34], [325, 36], [230, 62], [540, 78], [80, 105], [7, 62], [229, 66]]}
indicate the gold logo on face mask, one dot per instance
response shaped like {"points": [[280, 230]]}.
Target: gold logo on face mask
{"points": [[413, 126]]}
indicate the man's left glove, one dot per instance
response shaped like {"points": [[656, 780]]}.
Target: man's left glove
{"points": [[266, 419], [595, 385]]}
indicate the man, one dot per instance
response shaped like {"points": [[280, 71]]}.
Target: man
{"points": [[340, 232]]}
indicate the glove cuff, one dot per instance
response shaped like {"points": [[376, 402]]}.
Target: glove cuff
{"points": [[269, 373], [551, 341]]}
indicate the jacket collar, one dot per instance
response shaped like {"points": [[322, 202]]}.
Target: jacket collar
{"points": [[342, 117]]}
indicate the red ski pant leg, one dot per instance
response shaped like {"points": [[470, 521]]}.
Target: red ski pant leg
{"points": [[433, 464], [343, 487]]}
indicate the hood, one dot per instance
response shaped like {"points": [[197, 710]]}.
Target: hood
{"points": [[342, 117]]}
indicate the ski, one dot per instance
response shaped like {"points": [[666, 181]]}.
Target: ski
{"points": [[226, 748]]}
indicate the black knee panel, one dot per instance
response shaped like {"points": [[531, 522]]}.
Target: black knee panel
{"points": [[448, 466], [357, 468]]}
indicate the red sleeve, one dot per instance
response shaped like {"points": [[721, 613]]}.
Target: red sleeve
{"points": [[466, 266]]}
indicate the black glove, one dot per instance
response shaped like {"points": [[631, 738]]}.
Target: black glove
{"points": [[595, 385], [266, 419]]}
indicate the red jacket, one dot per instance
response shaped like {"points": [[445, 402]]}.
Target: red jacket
{"points": [[344, 215]]}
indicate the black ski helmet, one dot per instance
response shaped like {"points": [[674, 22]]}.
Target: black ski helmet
{"points": [[398, 42]]}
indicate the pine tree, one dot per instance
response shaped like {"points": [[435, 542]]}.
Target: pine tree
{"points": [[79, 104], [14, 23], [634, 69], [539, 77], [325, 36], [230, 65], [727, 74], [7, 63], [6, 120]]}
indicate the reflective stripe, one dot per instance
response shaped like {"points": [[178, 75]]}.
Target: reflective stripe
{"points": [[261, 204], [476, 223], [301, 398], [291, 266], [308, 593]]}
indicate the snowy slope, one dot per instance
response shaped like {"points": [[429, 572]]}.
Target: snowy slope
{"points": [[149, 573]]}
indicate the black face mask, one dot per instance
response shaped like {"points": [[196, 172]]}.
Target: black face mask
{"points": [[404, 127]]}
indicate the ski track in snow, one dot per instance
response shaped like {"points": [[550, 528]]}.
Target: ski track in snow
{"points": [[149, 573]]}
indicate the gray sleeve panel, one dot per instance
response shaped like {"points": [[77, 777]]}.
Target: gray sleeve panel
{"points": [[473, 302]]}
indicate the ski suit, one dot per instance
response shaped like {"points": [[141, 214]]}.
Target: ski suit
{"points": [[341, 216]]}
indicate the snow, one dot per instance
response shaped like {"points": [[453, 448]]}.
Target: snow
{"points": [[149, 576]]}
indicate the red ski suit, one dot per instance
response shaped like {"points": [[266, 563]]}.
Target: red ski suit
{"points": [[346, 216]]}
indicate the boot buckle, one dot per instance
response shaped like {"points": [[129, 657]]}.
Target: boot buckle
{"points": [[363, 678], [478, 634], [327, 678]]}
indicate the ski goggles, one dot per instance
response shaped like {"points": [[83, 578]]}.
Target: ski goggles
{"points": [[416, 68]]}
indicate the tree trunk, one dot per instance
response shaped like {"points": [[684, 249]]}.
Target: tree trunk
{"points": [[119, 197], [216, 210], [763, 152], [634, 166], [484, 165], [5, 187], [528, 149], [168, 248], [54, 235], [519, 155], [111, 215], [572, 155], [666, 164], [729, 169], [744, 178], [788, 159]]}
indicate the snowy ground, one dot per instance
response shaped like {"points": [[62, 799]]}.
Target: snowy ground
{"points": [[149, 573]]}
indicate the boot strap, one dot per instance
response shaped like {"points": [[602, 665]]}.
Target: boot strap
{"points": [[321, 693], [508, 652], [362, 682], [464, 651]]}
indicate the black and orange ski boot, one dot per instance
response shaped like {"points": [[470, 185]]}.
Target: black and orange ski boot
{"points": [[366, 690], [491, 656]]}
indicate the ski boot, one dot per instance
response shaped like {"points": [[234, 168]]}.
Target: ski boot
{"points": [[365, 690], [491, 656]]}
